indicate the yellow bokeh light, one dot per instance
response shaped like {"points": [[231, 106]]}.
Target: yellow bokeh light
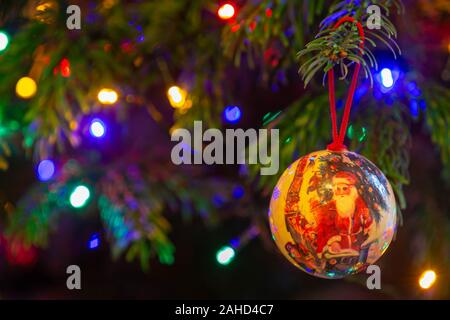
{"points": [[73, 125], [173, 129], [26, 87], [427, 279], [176, 96], [45, 6], [107, 96], [187, 105]]}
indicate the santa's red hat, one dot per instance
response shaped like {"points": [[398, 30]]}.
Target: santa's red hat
{"points": [[345, 177]]}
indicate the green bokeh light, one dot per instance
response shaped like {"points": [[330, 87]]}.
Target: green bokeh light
{"points": [[79, 197], [4, 40], [225, 255]]}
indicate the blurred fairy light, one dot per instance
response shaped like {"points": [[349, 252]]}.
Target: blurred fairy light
{"points": [[26, 87], [386, 78], [218, 200], [176, 96], [65, 68], [414, 108], [427, 279], [413, 89], [238, 192], [350, 132], [44, 7], [225, 255], [45, 170], [107, 96], [79, 196], [361, 136], [94, 242], [97, 128], [232, 114], [4, 40], [226, 11]]}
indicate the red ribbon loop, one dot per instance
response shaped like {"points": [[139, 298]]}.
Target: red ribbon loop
{"points": [[338, 139]]}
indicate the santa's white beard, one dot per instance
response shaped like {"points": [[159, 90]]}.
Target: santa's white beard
{"points": [[345, 206]]}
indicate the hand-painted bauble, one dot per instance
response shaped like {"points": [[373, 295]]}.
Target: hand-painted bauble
{"points": [[332, 213]]}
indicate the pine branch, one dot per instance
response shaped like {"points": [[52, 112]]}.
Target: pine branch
{"points": [[438, 122], [335, 47]]}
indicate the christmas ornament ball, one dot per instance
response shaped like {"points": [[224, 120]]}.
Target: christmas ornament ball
{"points": [[332, 213]]}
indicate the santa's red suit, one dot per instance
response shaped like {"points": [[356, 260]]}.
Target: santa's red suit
{"points": [[348, 232]]}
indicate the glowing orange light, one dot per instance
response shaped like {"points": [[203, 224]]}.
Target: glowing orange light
{"points": [[427, 279], [226, 11]]}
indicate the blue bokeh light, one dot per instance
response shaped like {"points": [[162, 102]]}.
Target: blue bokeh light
{"points": [[411, 86], [232, 114], [413, 89], [97, 128], [45, 170], [422, 104], [387, 79], [414, 108], [235, 243], [238, 192], [94, 242], [218, 200]]}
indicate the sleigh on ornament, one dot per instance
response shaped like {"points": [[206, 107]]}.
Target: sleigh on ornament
{"points": [[304, 252], [339, 261], [323, 247]]}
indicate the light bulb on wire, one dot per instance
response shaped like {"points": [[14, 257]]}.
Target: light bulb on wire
{"points": [[65, 67], [386, 78], [107, 96], [97, 128], [79, 196], [4, 40], [225, 255], [232, 114], [94, 242], [26, 88], [45, 170], [177, 96], [226, 11], [427, 279]]}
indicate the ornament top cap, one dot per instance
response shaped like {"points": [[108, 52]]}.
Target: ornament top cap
{"points": [[334, 146]]}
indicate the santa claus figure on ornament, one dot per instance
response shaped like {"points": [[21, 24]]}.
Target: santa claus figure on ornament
{"points": [[344, 223]]}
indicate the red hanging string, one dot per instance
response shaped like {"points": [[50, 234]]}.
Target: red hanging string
{"points": [[338, 140]]}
